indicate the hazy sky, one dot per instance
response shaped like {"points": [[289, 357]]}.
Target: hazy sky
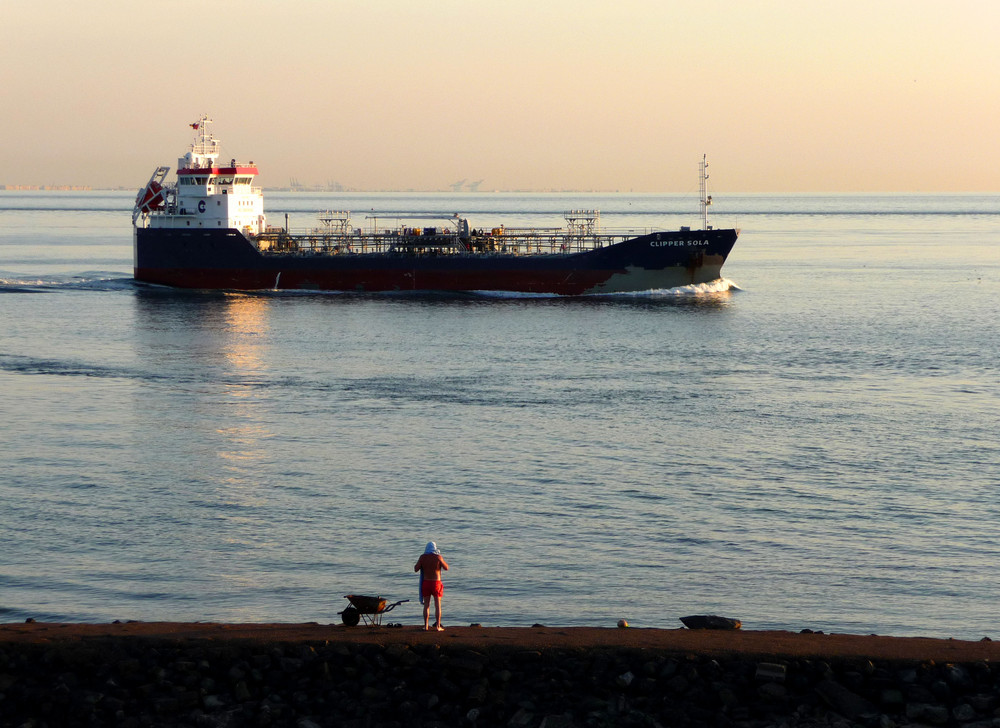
{"points": [[783, 95]]}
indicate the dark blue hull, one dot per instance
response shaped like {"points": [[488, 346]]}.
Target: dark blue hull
{"points": [[226, 259]]}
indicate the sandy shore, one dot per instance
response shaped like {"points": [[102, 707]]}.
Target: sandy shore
{"points": [[680, 641]]}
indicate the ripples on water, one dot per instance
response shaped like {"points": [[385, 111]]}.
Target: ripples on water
{"points": [[809, 444]]}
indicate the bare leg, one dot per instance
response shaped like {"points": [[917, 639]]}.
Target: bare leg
{"points": [[437, 613], [427, 612]]}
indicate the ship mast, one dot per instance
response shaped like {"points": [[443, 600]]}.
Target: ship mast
{"points": [[706, 199], [205, 148]]}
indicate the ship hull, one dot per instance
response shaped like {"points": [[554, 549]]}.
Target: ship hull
{"points": [[225, 259]]}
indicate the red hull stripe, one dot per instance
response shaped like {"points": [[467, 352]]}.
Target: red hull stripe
{"points": [[216, 170], [374, 281]]}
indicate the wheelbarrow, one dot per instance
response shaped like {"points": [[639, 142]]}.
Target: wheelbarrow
{"points": [[369, 609]]}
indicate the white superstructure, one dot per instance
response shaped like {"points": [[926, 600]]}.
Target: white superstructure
{"points": [[205, 195]]}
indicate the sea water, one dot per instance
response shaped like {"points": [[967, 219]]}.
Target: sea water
{"points": [[810, 443]]}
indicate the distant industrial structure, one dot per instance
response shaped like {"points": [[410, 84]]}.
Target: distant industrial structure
{"points": [[55, 188], [295, 186], [465, 186]]}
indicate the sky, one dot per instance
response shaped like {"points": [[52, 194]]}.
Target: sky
{"points": [[782, 95]]}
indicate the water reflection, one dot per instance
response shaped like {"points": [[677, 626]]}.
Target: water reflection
{"points": [[210, 350], [245, 327]]}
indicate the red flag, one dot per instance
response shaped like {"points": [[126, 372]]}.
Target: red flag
{"points": [[194, 126]]}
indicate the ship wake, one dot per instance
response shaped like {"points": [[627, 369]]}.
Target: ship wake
{"points": [[719, 285]]}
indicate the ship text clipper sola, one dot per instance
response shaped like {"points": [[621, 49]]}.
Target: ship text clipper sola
{"points": [[208, 230]]}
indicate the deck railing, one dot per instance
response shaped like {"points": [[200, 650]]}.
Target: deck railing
{"points": [[509, 242]]}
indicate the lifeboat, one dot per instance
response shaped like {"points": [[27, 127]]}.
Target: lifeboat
{"points": [[151, 197]]}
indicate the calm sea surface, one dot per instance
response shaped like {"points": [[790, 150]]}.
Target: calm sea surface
{"points": [[813, 443]]}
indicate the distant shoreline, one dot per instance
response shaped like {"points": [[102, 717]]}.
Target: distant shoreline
{"points": [[487, 193], [352, 191]]}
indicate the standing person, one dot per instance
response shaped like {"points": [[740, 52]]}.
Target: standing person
{"points": [[429, 565]]}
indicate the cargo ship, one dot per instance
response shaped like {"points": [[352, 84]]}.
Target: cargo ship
{"points": [[207, 229]]}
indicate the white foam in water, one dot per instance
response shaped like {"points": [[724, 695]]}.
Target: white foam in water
{"points": [[86, 280], [21, 281], [719, 285]]}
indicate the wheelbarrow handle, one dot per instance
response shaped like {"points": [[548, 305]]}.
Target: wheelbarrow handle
{"points": [[393, 606]]}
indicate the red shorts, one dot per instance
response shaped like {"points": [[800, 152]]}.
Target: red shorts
{"points": [[430, 588]]}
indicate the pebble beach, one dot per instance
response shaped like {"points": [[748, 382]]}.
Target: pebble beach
{"points": [[305, 675]]}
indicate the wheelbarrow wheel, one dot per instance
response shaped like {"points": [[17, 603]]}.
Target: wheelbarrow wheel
{"points": [[351, 616]]}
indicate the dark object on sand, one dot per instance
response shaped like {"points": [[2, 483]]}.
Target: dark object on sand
{"points": [[370, 609], [710, 621]]}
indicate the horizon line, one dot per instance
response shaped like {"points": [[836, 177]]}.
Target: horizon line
{"points": [[468, 193]]}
